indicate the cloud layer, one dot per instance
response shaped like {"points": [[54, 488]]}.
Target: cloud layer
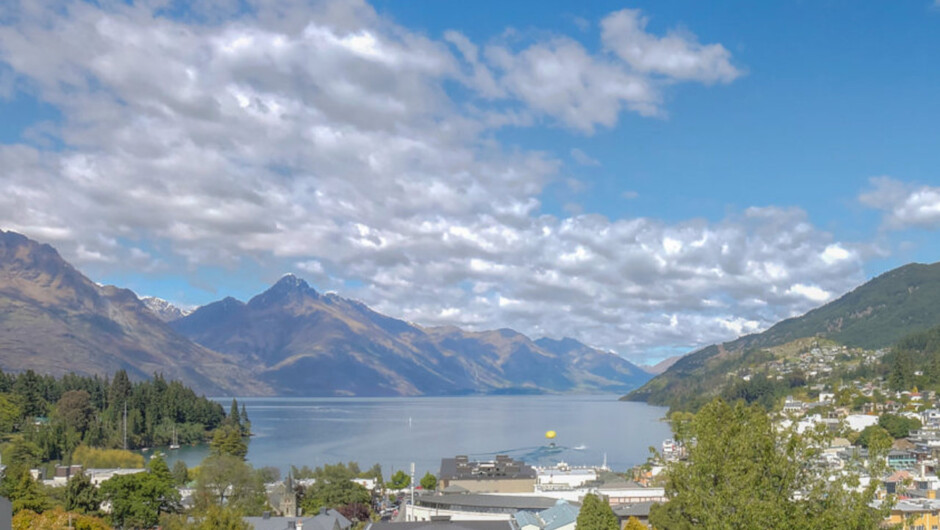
{"points": [[324, 139]]}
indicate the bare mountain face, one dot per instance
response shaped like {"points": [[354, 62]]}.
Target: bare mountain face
{"points": [[302, 342], [54, 320]]}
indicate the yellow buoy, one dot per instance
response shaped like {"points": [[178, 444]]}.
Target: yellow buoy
{"points": [[550, 435]]}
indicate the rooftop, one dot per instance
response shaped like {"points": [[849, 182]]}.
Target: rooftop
{"points": [[475, 500]]}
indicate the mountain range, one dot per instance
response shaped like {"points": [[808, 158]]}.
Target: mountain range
{"points": [[878, 314], [54, 320], [289, 340]]}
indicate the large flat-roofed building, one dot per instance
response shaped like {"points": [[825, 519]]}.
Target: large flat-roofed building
{"points": [[503, 475], [475, 506]]}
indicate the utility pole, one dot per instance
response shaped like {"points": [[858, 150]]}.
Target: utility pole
{"points": [[125, 425], [412, 490]]}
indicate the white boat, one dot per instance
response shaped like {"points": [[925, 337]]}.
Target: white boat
{"points": [[176, 442]]}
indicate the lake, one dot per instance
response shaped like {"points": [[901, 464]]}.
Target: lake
{"points": [[397, 431]]}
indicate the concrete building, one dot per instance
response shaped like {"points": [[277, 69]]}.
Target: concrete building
{"points": [[503, 475], [631, 493], [563, 476]]}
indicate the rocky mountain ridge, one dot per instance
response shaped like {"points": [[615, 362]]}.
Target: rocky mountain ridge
{"points": [[288, 340]]}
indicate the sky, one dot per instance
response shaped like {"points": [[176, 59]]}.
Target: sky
{"points": [[646, 177]]}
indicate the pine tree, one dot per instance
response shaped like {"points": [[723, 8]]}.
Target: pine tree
{"points": [[902, 371], [120, 390], [27, 494], [81, 495], [245, 422]]}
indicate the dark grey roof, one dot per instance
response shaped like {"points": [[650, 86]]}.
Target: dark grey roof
{"points": [[637, 509], [474, 500], [442, 525], [332, 520], [277, 523]]}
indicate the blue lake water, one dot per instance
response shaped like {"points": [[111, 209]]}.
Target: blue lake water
{"points": [[397, 431]]}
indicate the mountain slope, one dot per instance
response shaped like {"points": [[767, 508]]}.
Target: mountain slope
{"points": [[304, 343], [164, 310], [875, 315], [55, 320]]}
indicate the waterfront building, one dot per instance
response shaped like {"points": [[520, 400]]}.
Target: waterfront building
{"points": [[503, 475]]}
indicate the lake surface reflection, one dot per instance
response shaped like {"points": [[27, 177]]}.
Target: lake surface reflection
{"points": [[397, 431]]}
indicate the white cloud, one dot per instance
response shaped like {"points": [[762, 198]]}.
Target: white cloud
{"points": [[904, 205], [811, 292], [678, 55], [583, 158], [321, 138]]}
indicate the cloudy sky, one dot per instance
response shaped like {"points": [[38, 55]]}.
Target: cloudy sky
{"points": [[647, 177]]}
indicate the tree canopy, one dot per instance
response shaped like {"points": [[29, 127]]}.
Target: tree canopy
{"points": [[596, 514], [744, 472]]}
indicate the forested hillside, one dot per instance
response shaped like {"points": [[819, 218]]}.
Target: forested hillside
{"points": [[876, 315], [49, 417]]}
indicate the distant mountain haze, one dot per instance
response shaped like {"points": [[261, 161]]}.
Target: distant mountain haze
{"points": [[305, 343], [289, 340], [875, 315]]}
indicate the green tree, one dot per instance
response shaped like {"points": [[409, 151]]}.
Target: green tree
{"points": [[899, 426], [744, 472], [10, 413], [29, 387], [180, 473], [120, 390], [81, 495], [245, 422], [873, 435], [213, 518], [74, 408], [227, 440], [226, 480], [399, 481], [26, 493], [902, 370], [596, 514], [138, 500], [334, 489], [234, 418], [429, 482]]}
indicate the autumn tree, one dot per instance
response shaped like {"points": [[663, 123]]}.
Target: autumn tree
{"points": [[634, 524]]}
